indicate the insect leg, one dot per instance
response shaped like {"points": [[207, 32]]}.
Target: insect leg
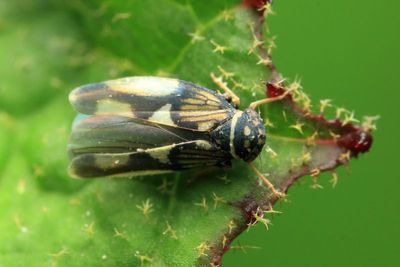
{"points": [[255, 104], [229, 95], [270, 186]]}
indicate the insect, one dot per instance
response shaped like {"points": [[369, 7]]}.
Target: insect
{"points": [[151, 125]]}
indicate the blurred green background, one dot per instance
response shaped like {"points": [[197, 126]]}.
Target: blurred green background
{"points": [[347, 51]]}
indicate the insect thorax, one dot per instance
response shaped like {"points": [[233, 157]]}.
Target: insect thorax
{"points": [[243, 135]]}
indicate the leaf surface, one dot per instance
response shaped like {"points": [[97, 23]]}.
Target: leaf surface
{"points": [[181, 219]]}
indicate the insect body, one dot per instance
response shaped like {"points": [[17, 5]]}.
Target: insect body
{"points": [[150, 125]]}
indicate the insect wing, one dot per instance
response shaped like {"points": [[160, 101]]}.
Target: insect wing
{"points": [[116, 134], [163, 159], [159, 100]]}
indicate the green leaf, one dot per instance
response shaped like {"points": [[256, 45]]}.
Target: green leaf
{"points": [[183, 219], [39, 62]]}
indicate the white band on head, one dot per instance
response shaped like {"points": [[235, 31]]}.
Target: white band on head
{"points": [[235, 118]]}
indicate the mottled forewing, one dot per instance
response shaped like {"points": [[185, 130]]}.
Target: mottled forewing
{"points": [[186, 155], [159, 100], [117, 134]]}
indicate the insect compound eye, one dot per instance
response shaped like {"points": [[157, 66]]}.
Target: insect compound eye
{"points": [[249, 135]]}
